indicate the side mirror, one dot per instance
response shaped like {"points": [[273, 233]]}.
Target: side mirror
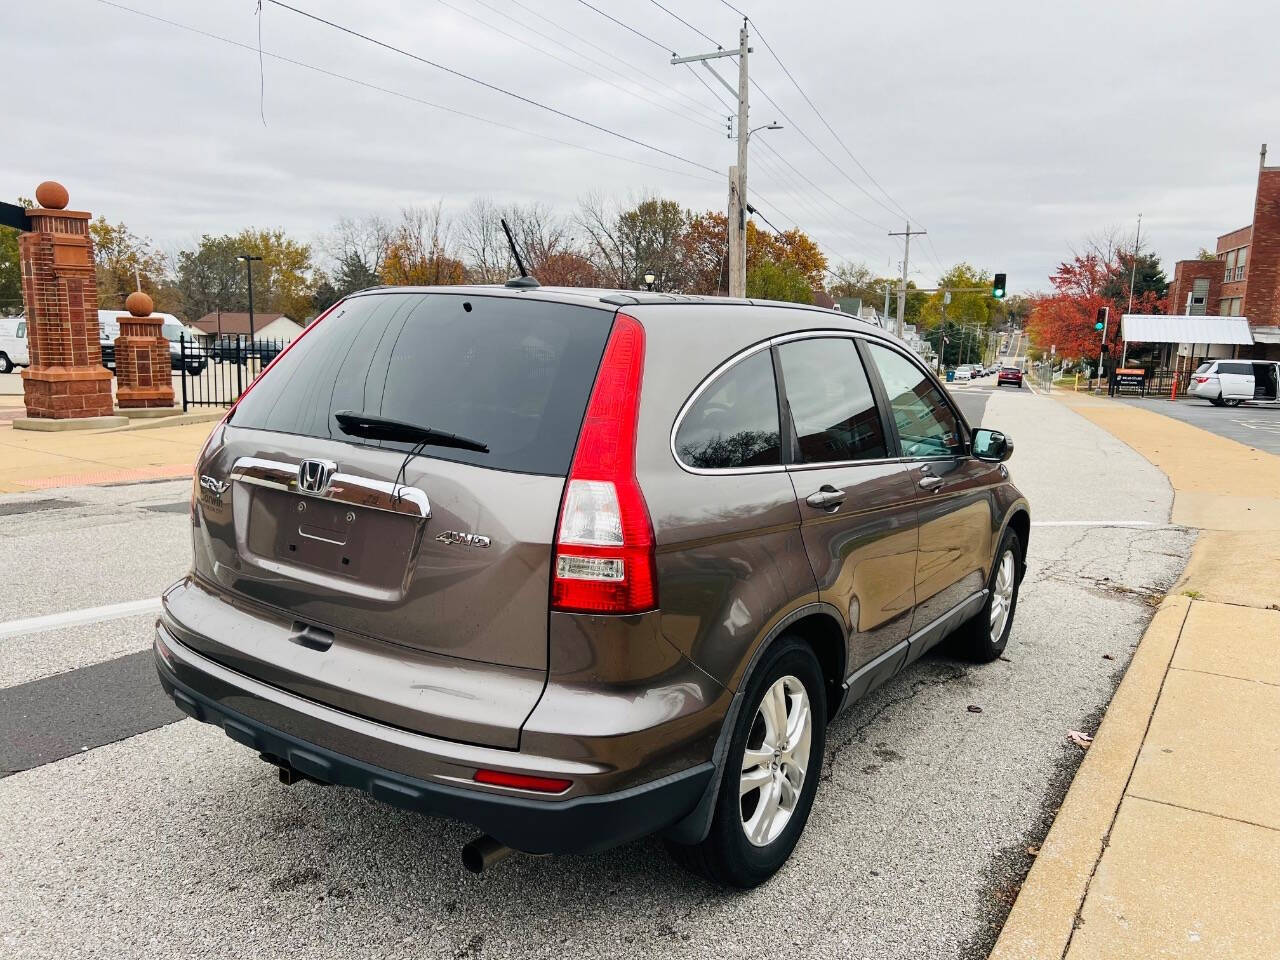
{"points": [[991, 445]]}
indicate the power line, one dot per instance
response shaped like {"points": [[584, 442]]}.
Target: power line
{"points": [[791, 166], [614, 59], [677, 16], [490, 86], [573, 66], [643, 36], [401, 94]]}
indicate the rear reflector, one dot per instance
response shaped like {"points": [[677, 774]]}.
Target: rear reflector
{"points": [[499, 778], [604, 550]]}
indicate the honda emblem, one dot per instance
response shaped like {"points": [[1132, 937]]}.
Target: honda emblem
{"points": [[313, 475]]}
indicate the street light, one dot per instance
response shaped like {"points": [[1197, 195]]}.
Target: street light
{"points": [[248, 259], [775, 125], [648, 279]]}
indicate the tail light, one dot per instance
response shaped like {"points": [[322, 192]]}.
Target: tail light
{"points": [[604, 550], [1201, 379]]}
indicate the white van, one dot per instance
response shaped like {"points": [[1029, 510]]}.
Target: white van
{"points": [[1229, 383], [13, 344]]}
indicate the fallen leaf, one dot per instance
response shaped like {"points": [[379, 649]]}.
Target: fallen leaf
{"points": [[1081, 740], [974, 708], [1107, 656], [1034, 851]]}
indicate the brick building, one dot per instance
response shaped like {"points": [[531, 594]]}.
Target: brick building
{"points": [[1244, 279]]}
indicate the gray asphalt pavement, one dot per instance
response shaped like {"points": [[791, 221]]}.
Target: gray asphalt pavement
{"points": [[177, 841], [1253, 424]]}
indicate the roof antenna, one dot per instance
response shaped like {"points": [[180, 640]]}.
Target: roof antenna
{"points": [[524, 280]]}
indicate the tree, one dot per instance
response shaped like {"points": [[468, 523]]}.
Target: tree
{"points": [[418, 250], [1149, 276], [1203, 254], [857, 280], [773, 280], [10, 273], [626, 245], [210, 277], [124, 262], [704, 253], [355, 250], [793, 247], [964, 308]]}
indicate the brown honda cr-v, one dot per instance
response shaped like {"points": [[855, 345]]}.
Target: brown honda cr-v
{"points": [[578, 566]]}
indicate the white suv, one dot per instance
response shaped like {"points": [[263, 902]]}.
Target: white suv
{"points": [[1229, 383]]}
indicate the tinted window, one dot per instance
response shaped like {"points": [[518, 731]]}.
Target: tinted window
{"points": [[832, 407], [513, 374], [22, 331], [1245, 369], [734, 422], [1204, 367], [927, 427]]}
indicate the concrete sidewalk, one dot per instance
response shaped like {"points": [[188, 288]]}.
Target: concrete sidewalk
{"points": [[1168, 842], [145, 450]]}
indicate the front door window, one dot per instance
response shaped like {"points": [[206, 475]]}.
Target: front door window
{"points": [[927, 426]]}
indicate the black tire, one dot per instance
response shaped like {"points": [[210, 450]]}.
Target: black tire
{"points": [[1217, 401], [727, 856], [1233, 402], [6, 365], [973, 640]]}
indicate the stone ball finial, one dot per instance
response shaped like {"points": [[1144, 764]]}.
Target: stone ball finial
{"points": [[52, 195], [139, 304]]}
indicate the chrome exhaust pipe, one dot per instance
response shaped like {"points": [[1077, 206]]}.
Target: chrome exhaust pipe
{"points": [[484, 852]]}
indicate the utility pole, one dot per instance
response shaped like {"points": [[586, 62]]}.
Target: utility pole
{"points": [[906, 258], [1133, 275], [738, 172]]}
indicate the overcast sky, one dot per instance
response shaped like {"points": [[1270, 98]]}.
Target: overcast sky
{"points": [[1012, 130]]}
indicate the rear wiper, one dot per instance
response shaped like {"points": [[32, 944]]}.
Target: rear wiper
{"points": [[373, 427]]}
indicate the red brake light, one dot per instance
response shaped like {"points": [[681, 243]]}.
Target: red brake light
{"points": [[1202, 379], [604, 551], [500, 778]]}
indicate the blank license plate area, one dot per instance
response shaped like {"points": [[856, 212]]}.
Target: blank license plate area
{"points": [[372, 546]]}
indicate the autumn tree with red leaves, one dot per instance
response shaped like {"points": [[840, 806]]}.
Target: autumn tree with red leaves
{"points": [[1081, 287]]}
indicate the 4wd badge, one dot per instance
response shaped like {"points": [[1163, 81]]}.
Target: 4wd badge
{"points": [[465, 539]]}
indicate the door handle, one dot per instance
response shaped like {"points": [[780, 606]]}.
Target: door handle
{"points": [[930, 483], [827, 497]]}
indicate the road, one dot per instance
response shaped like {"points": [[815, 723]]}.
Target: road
{"points": [[1253, 424], [128, 832]]}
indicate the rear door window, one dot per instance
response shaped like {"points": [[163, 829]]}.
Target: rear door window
{"points": [[22, 331], [734, 422], [832, 407], [514, 374]]}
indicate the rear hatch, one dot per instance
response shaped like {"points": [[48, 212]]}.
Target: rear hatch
{"points": [[379, 544]]}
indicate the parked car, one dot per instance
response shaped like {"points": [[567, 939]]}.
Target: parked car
{"points": [[963, 373], [549, 561], [1009, 375], [234, 348], [14, 351], [1229, 383]]}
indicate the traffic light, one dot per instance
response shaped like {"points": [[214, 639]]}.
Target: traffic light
{"points": [[997, 286], [1102, 320]]}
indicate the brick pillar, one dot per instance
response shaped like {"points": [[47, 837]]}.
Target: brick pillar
{"points": [[142, 358], [66, 378]]}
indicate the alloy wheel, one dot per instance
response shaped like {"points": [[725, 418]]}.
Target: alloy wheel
{"points": [[775, 760], [1002, 596]]}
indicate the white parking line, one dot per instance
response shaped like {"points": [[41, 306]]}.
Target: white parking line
{"points": [[75, 618], [1093, 523]]}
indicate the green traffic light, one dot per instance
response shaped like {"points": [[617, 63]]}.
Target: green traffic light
{"points": [[998, 293], [1097, 326]]}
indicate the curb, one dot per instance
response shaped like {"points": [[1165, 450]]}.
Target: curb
{"points": [[1047, 911]]}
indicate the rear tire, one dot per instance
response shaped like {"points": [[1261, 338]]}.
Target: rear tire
{"points": [[779, 738], [6, 365], [983, 637]]}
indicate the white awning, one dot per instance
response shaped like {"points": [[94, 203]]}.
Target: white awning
{"points": [[1266, 334], [1157, 328]]}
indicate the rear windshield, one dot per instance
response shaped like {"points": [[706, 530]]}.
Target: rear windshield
{"points": [[514, 374], [1204, 367]]}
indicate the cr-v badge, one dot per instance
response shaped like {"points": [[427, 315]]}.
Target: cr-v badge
{"points": [[465, 539]]}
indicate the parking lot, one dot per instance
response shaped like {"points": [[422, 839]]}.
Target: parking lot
{"points": [[129, 832], [1253, 424]]}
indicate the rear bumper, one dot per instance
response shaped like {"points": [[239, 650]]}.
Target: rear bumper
{"points": [[330, 746]]}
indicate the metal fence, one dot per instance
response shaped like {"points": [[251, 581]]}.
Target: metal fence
{"points": [[215, 371]]}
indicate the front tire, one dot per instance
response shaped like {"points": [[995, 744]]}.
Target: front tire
{"points": [[1233, 402], [771, 771], [1217, 401], [6, 365], [983, 637]]}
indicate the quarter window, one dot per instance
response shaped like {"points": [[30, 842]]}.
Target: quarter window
{"points": [[832, 407], [927, 426], [734, 422]]}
